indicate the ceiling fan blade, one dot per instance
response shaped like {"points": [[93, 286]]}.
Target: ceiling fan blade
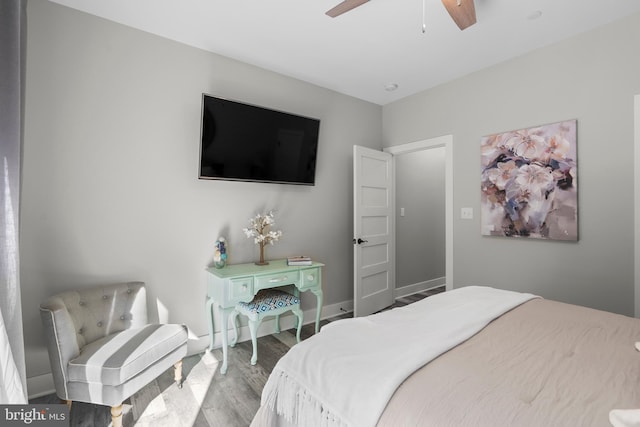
{"points": [[463, 12], [345, 6]]}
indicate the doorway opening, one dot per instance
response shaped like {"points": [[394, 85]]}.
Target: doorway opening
{"points": [[444, 143]]}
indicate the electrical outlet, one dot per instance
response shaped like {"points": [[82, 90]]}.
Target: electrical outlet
{"points": [[466, 213]]}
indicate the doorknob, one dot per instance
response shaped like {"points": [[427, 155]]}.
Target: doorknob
{"points": [[359, 241]]}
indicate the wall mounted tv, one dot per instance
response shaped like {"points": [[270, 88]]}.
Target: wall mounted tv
{"points": [[242, 142]]}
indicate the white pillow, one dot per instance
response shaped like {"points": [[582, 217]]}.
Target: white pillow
{"points": [[625, 417]]}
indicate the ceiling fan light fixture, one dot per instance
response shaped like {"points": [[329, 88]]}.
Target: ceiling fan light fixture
{"points": [[463, 12], [343, 7]]}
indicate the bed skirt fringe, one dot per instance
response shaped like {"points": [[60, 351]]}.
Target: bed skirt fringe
{"points": [[294, 403]]}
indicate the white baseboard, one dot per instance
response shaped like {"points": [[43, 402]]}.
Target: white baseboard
{"points": [[333, 310], [419, 287], [40, 385]]}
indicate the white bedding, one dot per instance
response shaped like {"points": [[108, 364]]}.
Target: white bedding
{"points": [[345, 375]]}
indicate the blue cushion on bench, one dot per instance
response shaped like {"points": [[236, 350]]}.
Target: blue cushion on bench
{"points": [[268, 299]]}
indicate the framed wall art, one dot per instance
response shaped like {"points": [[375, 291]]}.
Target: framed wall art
{"points": [[529, 186]]}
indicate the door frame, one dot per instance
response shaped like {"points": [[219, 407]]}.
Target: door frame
{"points": [[445, 141], [636, 196]]}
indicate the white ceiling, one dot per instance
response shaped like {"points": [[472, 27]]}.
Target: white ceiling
{"points": [[361, 52]]}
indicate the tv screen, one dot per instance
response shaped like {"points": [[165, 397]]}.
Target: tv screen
{"points": [[243, 142]]}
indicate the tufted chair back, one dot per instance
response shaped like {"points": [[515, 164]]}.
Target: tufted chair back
{"points": [[78, 318]]}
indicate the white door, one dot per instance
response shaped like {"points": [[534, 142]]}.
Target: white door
{"points": [[373, 223]]}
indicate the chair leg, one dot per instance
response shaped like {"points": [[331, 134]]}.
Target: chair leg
{"points": [[116, 415], [253, 327], [177, 373]]}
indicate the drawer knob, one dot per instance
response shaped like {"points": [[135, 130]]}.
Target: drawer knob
{"points": [[310, 277], [278, 279], [244, 286]]}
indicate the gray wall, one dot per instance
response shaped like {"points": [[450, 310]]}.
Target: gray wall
{"points": [[592, 78], [110, 188], [420, 233]]}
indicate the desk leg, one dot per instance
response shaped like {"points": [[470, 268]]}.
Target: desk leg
{"points": [[225, 337], [296, 292], [318, 294], [209, 313]]}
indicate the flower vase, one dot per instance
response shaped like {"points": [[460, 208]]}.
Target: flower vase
{"points": [[262, 261]]}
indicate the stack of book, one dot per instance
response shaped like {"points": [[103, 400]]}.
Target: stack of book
{"points": [[299, 260]]}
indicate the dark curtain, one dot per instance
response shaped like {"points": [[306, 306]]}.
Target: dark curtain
{"points": [[13, 388]]}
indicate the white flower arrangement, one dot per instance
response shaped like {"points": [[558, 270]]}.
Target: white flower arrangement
{"points": [[259, 230]]}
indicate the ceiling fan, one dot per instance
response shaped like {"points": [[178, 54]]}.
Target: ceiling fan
{"points": [[463, 12]]}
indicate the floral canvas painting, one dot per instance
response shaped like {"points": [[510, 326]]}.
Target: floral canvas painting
{"points": [[529, 183]]}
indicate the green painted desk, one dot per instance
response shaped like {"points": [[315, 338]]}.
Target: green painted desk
{"points": [[240, 282]]}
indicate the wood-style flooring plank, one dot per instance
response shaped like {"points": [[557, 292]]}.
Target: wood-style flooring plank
{"points": [[144, 398], [287, 338]]}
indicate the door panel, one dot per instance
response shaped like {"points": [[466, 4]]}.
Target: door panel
{"points": [[374, 274]]}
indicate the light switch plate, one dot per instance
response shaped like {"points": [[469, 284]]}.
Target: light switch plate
{"points": [[466, 213]]}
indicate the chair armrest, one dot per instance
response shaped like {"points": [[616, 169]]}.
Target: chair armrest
{"points": [[62, 340]]}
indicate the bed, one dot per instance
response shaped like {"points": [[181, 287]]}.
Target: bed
{"points": [[475, 356]]}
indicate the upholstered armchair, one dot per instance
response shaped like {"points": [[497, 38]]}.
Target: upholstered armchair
{"points": [[101, 348]]}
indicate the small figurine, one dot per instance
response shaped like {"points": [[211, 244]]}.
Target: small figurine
{"points": [[220, 255]]}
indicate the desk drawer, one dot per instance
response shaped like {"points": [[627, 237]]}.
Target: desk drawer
{"points": [[241, 288], [275, 280], [310, 278]]}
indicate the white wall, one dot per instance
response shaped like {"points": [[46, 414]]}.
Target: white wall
{"points": [[110, 189], [420, 233], [592, 78]]}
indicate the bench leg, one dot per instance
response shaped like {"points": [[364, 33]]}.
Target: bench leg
{"points": [[253, 327], [277, 323]]}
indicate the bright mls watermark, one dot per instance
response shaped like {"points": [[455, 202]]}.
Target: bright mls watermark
{"points": [[53, 415]]}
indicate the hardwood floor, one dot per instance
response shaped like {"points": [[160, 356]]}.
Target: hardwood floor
{"points": [[207, 398]]}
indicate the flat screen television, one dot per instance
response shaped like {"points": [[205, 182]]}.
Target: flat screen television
{"points": [[243, 142]]}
